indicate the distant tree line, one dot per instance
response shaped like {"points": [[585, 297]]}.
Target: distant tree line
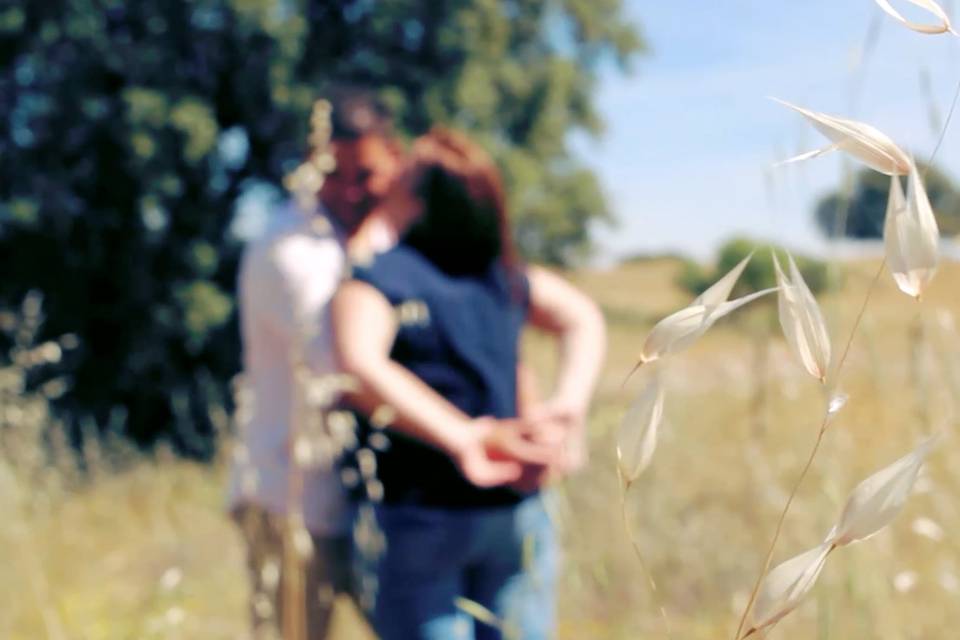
{"points": [[858, 212]]}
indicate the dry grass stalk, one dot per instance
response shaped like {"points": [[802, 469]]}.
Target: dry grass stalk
{"points": [[825, 423], [647, 574], [18, 437], [943, 26], [876, 501], [304, 184], [864, 142], [682, 328], [785, 587], [637, 436], [911, 241], [872, 505], [638, 431], [636, 443], [801, 320], [910, 235], [305, 181], [483, 615]]}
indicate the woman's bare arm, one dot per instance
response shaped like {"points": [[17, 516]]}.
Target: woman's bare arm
{"points": [[487, 451], [559, 308]]}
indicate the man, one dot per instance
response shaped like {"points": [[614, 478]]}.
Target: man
{"points": [[287, 278]]}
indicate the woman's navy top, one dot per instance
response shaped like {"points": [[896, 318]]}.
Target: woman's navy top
{"points": [[459, 334]]}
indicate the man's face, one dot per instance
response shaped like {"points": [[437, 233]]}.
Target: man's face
{"points": [[365, 170]]}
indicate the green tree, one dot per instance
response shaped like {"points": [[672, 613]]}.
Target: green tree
{"points": [[518, 74], [759, 273], [859, 212], [133, 127]]}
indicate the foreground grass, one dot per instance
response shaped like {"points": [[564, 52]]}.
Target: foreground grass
{"points": [[147, 552]]}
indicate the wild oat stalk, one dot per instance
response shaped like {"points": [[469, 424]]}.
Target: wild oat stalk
{"points": [[813, 454], [637, 436], [871, 506], [913, 265], [658, 600], [636, 443]]}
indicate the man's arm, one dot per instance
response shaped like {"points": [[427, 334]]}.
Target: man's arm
{"points": [[488, 452]]}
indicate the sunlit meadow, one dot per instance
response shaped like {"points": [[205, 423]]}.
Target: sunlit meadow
{"points": [[140, 547]]}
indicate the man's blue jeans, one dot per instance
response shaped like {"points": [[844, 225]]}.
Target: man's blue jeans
{"points": [[504, 558]]}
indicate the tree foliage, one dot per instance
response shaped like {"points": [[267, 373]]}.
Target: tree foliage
{"points": [[133, 127], [759, 273], [519, 74], [859, 212]]}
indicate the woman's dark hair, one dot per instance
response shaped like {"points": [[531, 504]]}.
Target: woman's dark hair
{"points": [[463, 227]]}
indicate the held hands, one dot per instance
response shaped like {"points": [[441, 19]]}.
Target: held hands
{"points": [[495, 452], [561, 424], [559, 418], [523, 453]]}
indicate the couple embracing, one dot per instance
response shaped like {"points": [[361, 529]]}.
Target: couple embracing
{"points": [[429, 325]]}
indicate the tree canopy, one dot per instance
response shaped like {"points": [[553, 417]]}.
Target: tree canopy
{"points": [[132, 128], [759, 273], [859, 212]]}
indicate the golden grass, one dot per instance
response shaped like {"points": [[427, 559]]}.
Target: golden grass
{"points": [[103, 557]]}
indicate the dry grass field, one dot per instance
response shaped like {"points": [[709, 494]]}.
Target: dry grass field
{"points": [[139, 548]]}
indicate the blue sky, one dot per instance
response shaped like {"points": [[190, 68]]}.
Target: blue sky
{"points": [[691, 136]]}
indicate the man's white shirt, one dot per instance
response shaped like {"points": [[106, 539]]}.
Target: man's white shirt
{"points": [[287, 278]]}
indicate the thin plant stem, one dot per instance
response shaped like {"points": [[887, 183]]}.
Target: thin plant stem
{"points": [[293, 622], [813, 454], [863, 310], [946, 125], [624, 487], [779, 528]]}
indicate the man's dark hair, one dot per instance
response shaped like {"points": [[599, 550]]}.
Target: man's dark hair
{"points": [[357, 111]]}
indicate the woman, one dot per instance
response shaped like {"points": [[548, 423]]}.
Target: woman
{"points": [[431, 329]]}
